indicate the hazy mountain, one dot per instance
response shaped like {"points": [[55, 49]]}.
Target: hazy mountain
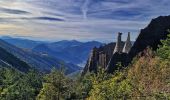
{"points": [[22, 43], [64, 44], [69, 51], [41, 62], [9, 60]]}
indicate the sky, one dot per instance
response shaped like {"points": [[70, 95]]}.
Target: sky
{"points": [[82, 20]]}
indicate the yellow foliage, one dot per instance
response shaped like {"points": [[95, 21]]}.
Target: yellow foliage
{"points": [[147, 78]]}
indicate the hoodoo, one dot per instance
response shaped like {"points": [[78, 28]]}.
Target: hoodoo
{"points": [[109, 55], [118, 47], [128, 44]]}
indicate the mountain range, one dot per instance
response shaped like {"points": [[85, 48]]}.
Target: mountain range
{"points": [[21, 42], [72, 51], [43, 63], [43, 55]]}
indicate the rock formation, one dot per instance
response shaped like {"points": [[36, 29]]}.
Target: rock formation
{"points": [[127, 45], [151, 35], [119, 45], [110, 55]]}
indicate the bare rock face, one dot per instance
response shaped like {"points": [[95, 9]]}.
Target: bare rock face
{"points": [[151, 35], [117, 60], [103, 57], [127, 45], [99, 57], [118, 47]]}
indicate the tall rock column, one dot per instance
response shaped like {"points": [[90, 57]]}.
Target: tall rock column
{"points": [[128, 44], [118, 44]]}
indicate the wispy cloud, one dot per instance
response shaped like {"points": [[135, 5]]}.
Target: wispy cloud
{"points": [[13, 11], [85, 8], [78, 19]]}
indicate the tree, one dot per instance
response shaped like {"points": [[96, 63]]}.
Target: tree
{"points": [[19, 86], [55, 87], [164, 49]]}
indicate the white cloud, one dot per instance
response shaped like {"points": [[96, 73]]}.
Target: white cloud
{"points": [[104, 18]]}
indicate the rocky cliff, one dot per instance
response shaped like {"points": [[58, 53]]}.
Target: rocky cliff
{"points": [[96, 56], [148, 37], [151, 35], [105, 56]]}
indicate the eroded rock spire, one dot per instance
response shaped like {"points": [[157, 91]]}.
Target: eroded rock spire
{"points": [[127, 45], [118, 47]]}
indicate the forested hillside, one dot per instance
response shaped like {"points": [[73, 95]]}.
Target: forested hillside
{"points": [[15, 85], [7, 59], [42, 63], [147, 77]]}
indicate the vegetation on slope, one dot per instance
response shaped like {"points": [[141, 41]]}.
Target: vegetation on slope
{"points": [[13, 61], [146, 78], [15, 85]]}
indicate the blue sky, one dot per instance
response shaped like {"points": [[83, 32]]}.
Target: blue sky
{"points": [[82, 20]]}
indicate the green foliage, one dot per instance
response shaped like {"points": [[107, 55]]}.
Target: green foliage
{"points": [[82, 86], [146, 78], [116, 87], [55, 87], [14, 61], [19, 86], [164, 49]]}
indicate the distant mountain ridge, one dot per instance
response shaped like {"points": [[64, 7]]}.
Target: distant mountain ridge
{"points": [[20, 42], [43, 63], [71, 51], [66, 43]]}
